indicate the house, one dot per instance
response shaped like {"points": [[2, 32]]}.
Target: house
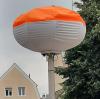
{"points": [[16, 84], [59, 62]]}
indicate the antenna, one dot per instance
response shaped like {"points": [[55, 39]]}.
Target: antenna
{"points": [[72, 4], [53, 3]]}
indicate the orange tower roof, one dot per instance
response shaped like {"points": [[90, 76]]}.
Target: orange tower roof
{"points": [[47, 14]]}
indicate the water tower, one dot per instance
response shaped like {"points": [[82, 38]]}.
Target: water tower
{"points": [[49, 30]]}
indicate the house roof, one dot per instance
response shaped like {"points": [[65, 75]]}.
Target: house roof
{"points": [[20, 70]]}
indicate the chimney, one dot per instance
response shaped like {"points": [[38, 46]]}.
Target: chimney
{"points": [[29, 75]]}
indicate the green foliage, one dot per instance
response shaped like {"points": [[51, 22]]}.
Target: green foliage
{"points": [[83, 72]]}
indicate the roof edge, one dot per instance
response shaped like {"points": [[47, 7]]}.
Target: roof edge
{"points": [[19, 69]]}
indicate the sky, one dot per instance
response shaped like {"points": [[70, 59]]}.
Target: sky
{"points": [[11, 52]]}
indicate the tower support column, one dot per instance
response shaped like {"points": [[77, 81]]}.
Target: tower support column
{"points": [[51, 76]]}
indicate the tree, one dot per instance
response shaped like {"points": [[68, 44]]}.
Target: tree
{"points": [[83, 71]]}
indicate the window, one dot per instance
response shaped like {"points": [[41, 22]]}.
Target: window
{"points": [[21, 91], [8, 91]]}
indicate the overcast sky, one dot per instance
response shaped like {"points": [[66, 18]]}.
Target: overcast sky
{"points": [[11, 52]]}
